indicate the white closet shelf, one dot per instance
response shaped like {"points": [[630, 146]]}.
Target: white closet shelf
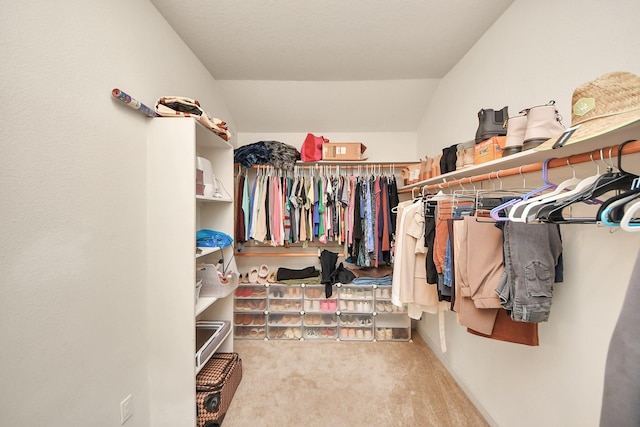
{"points": [[204, 303], [616, 137], [208, 138], [206, 251], [214, 199]]}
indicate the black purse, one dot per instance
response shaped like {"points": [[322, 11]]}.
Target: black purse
{"points": [[491, 123]]}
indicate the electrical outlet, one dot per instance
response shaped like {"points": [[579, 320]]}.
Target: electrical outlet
{"points": [[126, 409]]}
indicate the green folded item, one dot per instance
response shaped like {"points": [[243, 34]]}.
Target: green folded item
{"points": [[306, 281]]}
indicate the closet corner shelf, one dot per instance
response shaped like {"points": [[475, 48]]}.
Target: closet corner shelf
{"points": [[213, 199], [204, 303], [613, 138], [206, 251]]}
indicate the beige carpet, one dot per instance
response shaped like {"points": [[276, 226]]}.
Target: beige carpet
{"points": [[350, 384]]}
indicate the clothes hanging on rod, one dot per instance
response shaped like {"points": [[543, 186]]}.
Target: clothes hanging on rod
{"points": [[478, 267], [409, 281], [320, 205]]}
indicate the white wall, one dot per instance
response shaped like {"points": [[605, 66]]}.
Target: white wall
{"points": [[297, 106], [72, 190], [535, 52], [381, 146]]}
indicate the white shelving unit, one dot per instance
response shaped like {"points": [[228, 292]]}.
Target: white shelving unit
{"points": [[174, 213]]}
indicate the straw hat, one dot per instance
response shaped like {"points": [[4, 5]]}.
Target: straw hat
{"points": [[607, 103]]}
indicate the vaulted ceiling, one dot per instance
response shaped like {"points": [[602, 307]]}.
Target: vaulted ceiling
{"points": [[329, 65]]}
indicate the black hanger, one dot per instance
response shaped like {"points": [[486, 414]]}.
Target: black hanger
{"points": [[615, 214], [610, 181]]}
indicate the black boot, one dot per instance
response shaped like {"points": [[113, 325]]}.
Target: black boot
{"points": [[491, 123], [444, 160]]}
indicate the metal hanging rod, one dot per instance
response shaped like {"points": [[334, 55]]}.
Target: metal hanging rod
{"points": [[343, 165]]}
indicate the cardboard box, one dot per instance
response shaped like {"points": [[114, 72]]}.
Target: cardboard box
{"points": [[343, 151], [489, 149]]}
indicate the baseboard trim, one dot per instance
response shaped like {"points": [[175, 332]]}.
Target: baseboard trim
{"points": [[436, 350]]}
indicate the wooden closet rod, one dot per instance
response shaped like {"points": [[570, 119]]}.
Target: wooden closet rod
{"points": [[279, 254], [350, 165], [630, 148]]}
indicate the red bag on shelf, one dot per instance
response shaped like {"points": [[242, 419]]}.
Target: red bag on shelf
{"points": [[311, 150]]}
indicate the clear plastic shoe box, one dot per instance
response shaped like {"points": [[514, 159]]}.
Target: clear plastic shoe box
{"points": [[294, 312], [383, 302], [285, 324], [356, 299], [285, 298], [320, 326], [249, 325], [392, 327], [250, 298], [356, 327], [316, 302]]}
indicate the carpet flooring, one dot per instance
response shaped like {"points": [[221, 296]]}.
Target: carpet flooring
{"points": [[350, 384]]}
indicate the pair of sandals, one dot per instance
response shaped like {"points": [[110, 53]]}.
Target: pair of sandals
{"points": [[251, 304], [248, 319], [313, 319], [318, 319], [261, 275], [314, 292], [181, 106], [284, 320], [250, 332], [320, 333]]}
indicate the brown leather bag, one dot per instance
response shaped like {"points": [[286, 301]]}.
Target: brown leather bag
{"points": [[216, 384]]}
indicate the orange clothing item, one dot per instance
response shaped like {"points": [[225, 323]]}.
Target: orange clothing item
{"points": [[442, 234]]}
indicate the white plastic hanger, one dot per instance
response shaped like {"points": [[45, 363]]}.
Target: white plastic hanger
{"points": [[604, 216], [530, 214], [519, 212], [629, 215]]}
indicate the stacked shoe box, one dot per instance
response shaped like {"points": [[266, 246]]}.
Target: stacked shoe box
{"points": [[391, 321], [356, 304], [284, 312], [295, 312], [320, 319], [249, 312]]}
